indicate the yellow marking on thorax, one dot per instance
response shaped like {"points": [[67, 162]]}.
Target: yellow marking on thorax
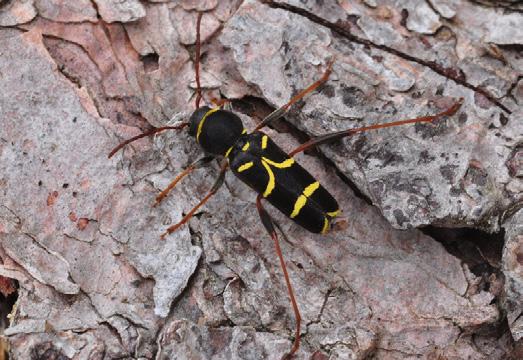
{"points": [[200, 125], [228, 151], [245, 166], [246, 146], [325, 226], [302, 199], [244, 131], [334, 213], [264, 141]]}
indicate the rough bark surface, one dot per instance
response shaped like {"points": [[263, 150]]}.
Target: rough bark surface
{"points": [[79, 235]]}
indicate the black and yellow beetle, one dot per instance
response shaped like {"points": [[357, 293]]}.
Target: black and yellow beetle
{"points": [[260, 163], [256, 160]]}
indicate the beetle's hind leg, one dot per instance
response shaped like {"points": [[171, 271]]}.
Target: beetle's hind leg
{"points": [[195, 165], [217, 184], [269, 226]]}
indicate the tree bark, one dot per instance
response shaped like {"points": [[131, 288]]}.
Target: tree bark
{"points": [[425, 260]]}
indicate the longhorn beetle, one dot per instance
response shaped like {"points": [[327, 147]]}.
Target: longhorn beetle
{"points": [[260, 163]]}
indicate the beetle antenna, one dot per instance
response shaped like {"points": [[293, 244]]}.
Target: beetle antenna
{"points": [[145, 134], [197, 62]]}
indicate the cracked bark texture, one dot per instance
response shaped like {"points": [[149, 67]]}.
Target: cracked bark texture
{"points": [[78, 233]]}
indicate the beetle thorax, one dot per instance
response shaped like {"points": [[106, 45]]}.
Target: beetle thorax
{"points": [[215, 130]]}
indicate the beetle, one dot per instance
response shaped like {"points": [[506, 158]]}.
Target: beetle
{"points": [[261, 164]]}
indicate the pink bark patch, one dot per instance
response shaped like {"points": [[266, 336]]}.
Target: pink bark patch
{"points": [[51, 198], [82, 223]]}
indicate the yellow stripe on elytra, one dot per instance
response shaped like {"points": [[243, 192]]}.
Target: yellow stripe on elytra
{"points": [[280, 165], [334, 213], [302, 199], [267, 163], [246, 146], [245, 166], [264, 141], [200, 125], [325, 226], [271, 182], [300, 202], [309, 190]]}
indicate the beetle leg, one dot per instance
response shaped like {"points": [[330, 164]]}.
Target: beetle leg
{"points": [[217, 184], [145, 134], [269, 226], [280, 111], [341, 134], [195, 165], [175, 120]]}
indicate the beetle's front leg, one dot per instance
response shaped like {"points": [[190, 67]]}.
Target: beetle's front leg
{"points": [[217, 184]]}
